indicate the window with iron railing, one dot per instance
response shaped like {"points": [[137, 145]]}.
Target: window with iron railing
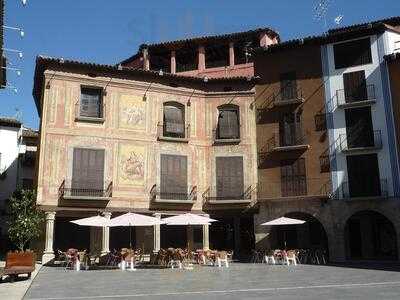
{"points": [[293, 177], [173, 179], [87, 171], [229, 177]]}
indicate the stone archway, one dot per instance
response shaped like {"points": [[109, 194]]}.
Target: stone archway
{"points": [[370, 235], [310, 235]]}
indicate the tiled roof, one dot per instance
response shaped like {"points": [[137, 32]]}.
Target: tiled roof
{"points": [[337, 34], [30, 133], [203, 39], [50, 63], [10, 122]]}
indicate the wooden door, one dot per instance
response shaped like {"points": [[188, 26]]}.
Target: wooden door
{"points": [[230, 181]]}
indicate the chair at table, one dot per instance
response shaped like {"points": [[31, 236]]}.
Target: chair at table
{"points": [[222, 257], [72, 259], [290, 257], [269, 257]]}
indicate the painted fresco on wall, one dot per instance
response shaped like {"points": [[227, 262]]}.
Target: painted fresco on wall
{"points": [[132, 112], [131, 165]]}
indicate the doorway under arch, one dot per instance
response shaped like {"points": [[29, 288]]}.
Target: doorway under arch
{"points": [[370, 235], [310, 235]]}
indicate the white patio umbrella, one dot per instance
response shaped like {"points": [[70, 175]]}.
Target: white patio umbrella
{"points": [[132, 219], [96, 221], [188, 219], [282, 221]]}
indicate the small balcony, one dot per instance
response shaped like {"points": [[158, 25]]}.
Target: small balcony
{"points": [[229, 135], [212, 196], [173, 132], [294, 187], [362, 189], [178, 195], [71, 191], [359, 142], [362, 96], [283, 145], [293, 96]]}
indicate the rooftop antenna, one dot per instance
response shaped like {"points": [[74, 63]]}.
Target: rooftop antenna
{"points": [[338, 20], [320, 11]]}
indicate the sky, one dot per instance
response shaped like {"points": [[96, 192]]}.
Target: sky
{"points": [[109, 31]]}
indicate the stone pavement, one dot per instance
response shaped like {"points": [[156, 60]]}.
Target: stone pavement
{"points": [[17, 289], [240, 281]]}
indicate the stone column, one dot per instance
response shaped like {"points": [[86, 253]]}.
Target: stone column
{"points": [[48, 253], [173, 62], [206, 237], [231, 54], [105, 241], [157, 231], [202, 59], [189, 235]]}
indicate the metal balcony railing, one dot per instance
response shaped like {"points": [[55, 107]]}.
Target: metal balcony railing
{"points": [[360, 140], [364, 93], [173, 132], [364, 188], [213, 194], [288, 96], [281, 141], [177, 194], [294, 186], [70, 189]]}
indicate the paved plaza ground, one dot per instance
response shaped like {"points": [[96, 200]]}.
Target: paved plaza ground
{"points": [[240, 281]]}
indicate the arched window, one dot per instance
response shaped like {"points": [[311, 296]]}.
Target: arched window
{"points": [[174, 120], [228, 126]]}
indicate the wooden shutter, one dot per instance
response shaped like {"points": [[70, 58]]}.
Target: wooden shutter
{"points": [[293, 177], [174, 177], [91, 103], [288, 86], [174, 120], [355, 88], [363, 175], [88, 169], [290, 130], [359, 128], [230, 181], [228, 123]]}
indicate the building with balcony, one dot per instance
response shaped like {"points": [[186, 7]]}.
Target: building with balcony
{"points": [[117, 139], [226, 55], [325, 142]]}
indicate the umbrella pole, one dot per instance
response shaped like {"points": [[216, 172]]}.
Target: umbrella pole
{"points": [[284, 237], [130, 237]]}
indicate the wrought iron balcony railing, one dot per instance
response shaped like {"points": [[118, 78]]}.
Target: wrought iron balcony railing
{"points": [[283, 142], [360, 141], [364, 188], [173, 132], [294, 186], [356, 96], [70, 189], [178, 194], [214, 195]]}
